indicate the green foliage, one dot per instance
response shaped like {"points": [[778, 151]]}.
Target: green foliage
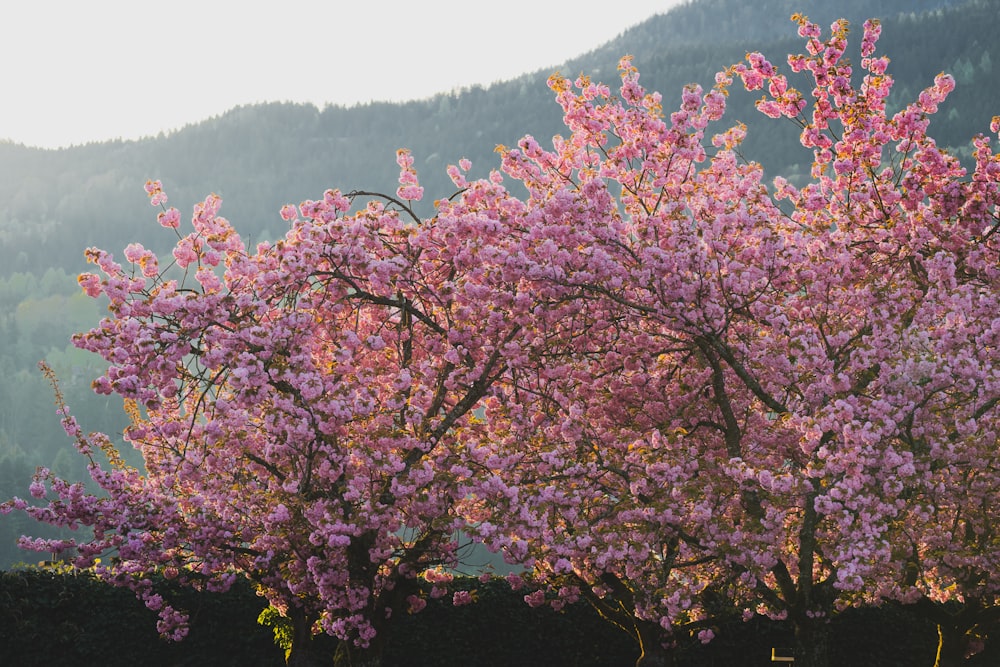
{"points": [[282, 627]]}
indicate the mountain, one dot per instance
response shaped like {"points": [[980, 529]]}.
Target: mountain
{"points": [[55, 203]]}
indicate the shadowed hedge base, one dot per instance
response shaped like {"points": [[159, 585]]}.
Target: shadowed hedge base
{"points": [[52, 619]]}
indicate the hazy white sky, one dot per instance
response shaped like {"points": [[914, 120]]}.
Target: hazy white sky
{"points": [[73, 71]]}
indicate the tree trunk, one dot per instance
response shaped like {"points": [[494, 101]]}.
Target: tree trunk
{"points": [[812, 643], [309, 651], [352, 656], [652, 652], [305, 656], [617, 609], [305, 651], [951, 645]]}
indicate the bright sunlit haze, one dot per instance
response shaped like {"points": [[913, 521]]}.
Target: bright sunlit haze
{"points": [[77, 72]]}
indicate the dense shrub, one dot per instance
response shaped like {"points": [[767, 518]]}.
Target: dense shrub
{"points": [[53, 618]]}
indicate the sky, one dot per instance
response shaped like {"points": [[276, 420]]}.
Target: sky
{"points": [[75, 71]]}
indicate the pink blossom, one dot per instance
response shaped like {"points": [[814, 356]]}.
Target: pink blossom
{"points": [[37, 489], [535, 599], [90, 283], [170, 218]]}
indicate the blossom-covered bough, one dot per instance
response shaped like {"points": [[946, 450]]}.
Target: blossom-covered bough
{"points": [[640, 242], [658, 383], [788, 400], [901, 285], [300, 408]]}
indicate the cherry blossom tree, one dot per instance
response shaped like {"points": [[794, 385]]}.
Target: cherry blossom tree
{"points": [[661, 384], [947, 543], [299, 408], [765, 385], [923, 384], [613, 500]]}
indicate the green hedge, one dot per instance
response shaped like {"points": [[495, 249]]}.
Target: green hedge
{"points": [[51, 618]]}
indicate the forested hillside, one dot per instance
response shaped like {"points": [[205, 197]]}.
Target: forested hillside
{"points": [[55, 203]]}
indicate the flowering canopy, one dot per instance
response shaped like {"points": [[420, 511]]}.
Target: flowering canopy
{"points": [[765, 385], [655, 381], [300, 409]]}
